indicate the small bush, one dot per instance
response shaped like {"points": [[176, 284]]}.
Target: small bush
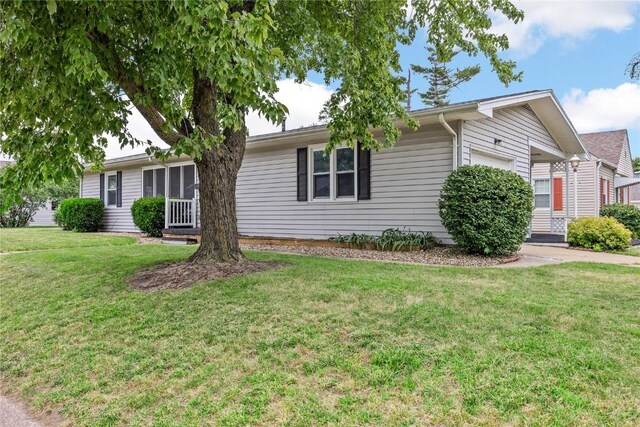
{"points": [[148, 215], [600, 234], [486, 210], [80, 214], [627, 215], [392, 239]]}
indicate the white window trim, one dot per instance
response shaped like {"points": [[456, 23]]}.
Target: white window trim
{"points": [[106, 190], [332, 175], [146, 168], [535, 193]]}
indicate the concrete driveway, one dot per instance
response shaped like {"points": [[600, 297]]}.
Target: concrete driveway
{"points": [[534, 255]]}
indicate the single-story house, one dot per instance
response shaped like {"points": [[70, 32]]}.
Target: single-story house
{"points": [[288, 188], [604, 179]]}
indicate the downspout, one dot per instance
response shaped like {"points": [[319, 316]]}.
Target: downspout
{"points": [[454, 136], [598, 189]]}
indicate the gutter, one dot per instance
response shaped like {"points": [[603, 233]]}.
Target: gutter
{"points": [[454, 136]]}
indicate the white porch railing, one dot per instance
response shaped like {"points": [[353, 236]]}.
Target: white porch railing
{"points": [[180, 213]]}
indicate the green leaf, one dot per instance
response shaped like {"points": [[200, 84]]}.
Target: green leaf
{"points": [[52, 7]]}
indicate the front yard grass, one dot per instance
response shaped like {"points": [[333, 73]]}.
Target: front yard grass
{"points": [[320, 341], [37, 238]]}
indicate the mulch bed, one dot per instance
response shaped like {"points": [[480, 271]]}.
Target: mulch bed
{"points": [[182, 274], [439, 255]]}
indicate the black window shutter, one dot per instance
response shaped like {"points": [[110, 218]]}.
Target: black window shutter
{"points": [[119, 189], [364, 173], [102, 187], [302, 174]]}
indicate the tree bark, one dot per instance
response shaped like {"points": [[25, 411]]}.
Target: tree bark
{"points": [[218, 173]]}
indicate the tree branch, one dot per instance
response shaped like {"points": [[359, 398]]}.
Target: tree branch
{"points": [[114, 65]]}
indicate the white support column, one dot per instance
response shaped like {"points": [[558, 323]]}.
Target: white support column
{"points": [[566, 188], [551, 169]]}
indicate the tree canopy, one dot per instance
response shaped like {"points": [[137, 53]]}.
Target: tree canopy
{"points": [[71, 71]]}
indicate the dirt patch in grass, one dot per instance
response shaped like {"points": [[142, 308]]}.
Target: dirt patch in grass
{"points": [[179, 275]]}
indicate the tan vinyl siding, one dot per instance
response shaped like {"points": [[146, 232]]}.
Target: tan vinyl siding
{"points": [[625, 164], [588, 190], [405, 187], [515, 127], [607, 173], [588, 187], [117, 219]]}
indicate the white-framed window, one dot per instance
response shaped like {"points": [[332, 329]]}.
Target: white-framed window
{"points": [[542, 191], [153, 182], [112, 189], [333, 175]]}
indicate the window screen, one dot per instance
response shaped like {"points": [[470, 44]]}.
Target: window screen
{"points": [[159, 182], [189, 179], [147, 183], [174, 182]]}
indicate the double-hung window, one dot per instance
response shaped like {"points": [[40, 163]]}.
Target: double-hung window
{"points": [[333, 174], [112, 190], [153, 182], [542, 192]]}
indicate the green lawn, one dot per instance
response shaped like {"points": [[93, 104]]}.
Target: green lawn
{"points": [[36, 238], [319, 341]]}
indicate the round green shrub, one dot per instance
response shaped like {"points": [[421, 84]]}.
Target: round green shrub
{"points": [[486, 210], [600, 234], [148, 215], [80, 214], [627, 215]]}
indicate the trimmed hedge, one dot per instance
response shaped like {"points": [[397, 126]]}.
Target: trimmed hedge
{"points": [[79, 214], [486, 210], [148, 215], [627, 215], [600, 234]]}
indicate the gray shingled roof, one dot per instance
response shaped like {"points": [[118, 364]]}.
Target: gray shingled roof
{"points": [[606, 145]]}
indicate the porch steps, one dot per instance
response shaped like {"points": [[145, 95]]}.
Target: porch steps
{"points": [[545, 238], [179, 241]]}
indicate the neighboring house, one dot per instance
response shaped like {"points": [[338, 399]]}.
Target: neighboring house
{"points": [[634, 191], [606, 178], [44, 215], [287, 188]]}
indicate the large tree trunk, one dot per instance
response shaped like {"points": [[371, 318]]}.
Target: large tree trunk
{"points": [[218, 172]]}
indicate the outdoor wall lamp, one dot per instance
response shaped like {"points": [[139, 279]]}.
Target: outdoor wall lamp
{"points": [[575, 162]]}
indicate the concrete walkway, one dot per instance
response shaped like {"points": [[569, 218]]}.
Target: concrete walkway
{"points": [[534, 255], [12, 414]]}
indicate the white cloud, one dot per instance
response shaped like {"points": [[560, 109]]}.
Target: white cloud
{"points": [[568, 20], [304, 102], [605, 108]]}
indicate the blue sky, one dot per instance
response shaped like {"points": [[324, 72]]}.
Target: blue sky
{"points": [[584, 62], [578, 48]]}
